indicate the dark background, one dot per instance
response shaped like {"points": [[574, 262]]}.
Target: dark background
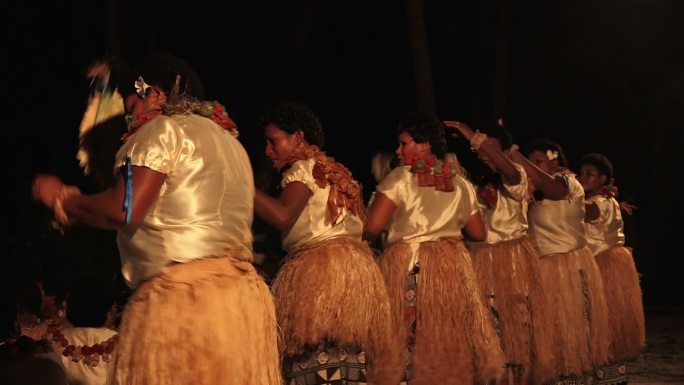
{"points": [[597, 76]]}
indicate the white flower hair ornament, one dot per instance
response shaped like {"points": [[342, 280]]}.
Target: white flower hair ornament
{"points": [[551, 155], [141, 87]]}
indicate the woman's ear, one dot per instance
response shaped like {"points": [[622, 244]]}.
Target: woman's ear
{"points": [[424, 148]]}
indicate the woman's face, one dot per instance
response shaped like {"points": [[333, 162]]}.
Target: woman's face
{"points": [[541, 160], [409, 149], [280, 144], [591, 179], [154, 100]]}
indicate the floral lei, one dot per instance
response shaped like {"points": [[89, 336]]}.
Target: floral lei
{"points": [[185, 105], [488, 195], [89, 354], [345, 191], [608, 191], [433, 172]]}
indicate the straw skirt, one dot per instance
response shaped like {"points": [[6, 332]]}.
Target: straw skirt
{"points": [[209, 321], [439, 318], [509, 277], [625, 307], [573, 284], [333, 311]]}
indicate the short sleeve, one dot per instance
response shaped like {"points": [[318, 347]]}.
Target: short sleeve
{"points": [[156, 145], [605, 207], [469, 195], [300, 171], [518, 192], [393, 185]]}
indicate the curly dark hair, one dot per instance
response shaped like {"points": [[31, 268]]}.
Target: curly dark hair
{"points": [[494, 130], [291, 116], [424, 128], [544, 145], [601, 163]]}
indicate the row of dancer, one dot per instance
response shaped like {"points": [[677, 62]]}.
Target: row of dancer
{"points": [[182, 206], [566, 298]]}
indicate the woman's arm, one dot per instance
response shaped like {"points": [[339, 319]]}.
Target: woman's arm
{"points": [[502, 162], [380, 212], [282, 212], [591, 212], [554, 189], [105, 209], [475, 229]]}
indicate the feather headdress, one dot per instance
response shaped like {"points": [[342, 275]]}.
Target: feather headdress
{"points": [[104, 104]]}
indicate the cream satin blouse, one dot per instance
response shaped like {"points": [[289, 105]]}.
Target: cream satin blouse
{"points": [[558, 226], [205, 206], [508, 219], [607, 230], [423, 213], [312, 224]]}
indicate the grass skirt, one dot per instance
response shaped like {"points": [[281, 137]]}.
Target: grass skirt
{"points": [[332, 293], [625, 307], [209, 321], [455, 341], [573, 284], [508, 274]]}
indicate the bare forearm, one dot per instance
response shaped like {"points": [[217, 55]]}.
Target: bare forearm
{"points": [[103, 210], [502, 162], [551, 187]]}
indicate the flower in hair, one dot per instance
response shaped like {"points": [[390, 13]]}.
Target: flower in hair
{"points": [[551, 155], [141, 87]]}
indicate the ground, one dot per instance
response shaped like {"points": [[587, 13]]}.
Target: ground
{"points": [[662, 361]]}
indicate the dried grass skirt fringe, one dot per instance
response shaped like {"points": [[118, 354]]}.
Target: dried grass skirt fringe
{"points": [[508, 275], [455, 341], [332, 291], [625, 306], [209, 321], [573, 284]]}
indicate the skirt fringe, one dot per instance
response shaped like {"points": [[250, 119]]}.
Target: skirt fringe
{"points": [[509, 277], [332, 291], [625, 306], [574, 287], [209, 321], [455, 341]]}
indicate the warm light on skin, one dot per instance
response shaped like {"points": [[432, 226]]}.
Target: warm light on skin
{"points": [[591, 179], [543, 162], [494, 142], [408, 148], [280, 144], [154, 100]]}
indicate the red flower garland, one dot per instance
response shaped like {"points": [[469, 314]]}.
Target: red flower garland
{"points": [[432, 172], [488, 195], [89, 354]]}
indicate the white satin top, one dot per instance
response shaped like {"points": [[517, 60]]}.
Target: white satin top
{"points": [[557, 226], [205, 206], [313, 224], [80, 372], [508, 219], [607, 230], [423, 213]]}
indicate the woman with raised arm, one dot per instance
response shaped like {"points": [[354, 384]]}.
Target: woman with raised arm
{"points": [[182, 206], [331, 302], [439, 317], [570, 276], [606, 239], [506, 263]]}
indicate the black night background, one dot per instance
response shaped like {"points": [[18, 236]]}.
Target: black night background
{"points": [[601, 76]]}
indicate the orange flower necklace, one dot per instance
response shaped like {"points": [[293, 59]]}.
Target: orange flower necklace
{"points": [[345, 191]]}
